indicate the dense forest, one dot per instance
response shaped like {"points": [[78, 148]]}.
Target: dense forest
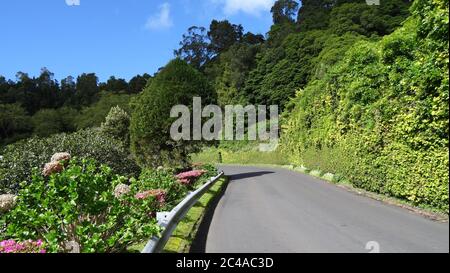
{"points": [[363, 89], [42, 106]]}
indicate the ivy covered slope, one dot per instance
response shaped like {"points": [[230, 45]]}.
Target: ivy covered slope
{"points": [[379, 116]]}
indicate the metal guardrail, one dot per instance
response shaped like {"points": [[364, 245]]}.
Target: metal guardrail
{"points": [[169, 220]]}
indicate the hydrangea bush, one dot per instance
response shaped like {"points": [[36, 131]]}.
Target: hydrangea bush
{"points": [[84, 206], [78, 207], [187, 178], [176, 184]]}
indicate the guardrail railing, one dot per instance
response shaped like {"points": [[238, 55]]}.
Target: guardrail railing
{"points": [[169, 220]]}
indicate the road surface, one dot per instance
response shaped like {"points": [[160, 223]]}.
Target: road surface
{"points": [[276, 210]]}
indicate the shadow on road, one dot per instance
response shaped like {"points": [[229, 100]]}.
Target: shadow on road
{"points": [[240, 176], [199, 243]]}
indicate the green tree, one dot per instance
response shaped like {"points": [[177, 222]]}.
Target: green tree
{"points": [[284, 11], [195, 47], [94, 115], [87, 90], [114, 85], [47, 90], [231, 70], [252, 39], [46, 122], [67, 92], [368, 19], [223, 35], [24, 92], [151, 142], [314, 14], [289, 58], [5, 86], [137, 83], [14, 123], [281, 70]]}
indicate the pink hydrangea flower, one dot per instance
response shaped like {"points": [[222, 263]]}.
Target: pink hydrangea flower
{"points": [[190, 174], [184, 181], [159, 194], [186, 178]]}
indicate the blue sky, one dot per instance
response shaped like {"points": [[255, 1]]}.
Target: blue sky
{"points": [[109, 37]]}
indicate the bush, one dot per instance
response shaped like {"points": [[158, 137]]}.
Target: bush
{"points": [[77, 211], [117, 125], [162, 179], [211, 170], [166, 180], [20, 158], [151, 142], [206, 172]]}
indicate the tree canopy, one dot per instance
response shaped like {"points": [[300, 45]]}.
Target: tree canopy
{"points": [[151, 143]]}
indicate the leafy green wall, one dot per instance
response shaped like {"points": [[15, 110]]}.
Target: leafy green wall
{"points": [[379, 116]]}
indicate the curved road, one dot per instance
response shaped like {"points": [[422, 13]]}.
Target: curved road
{"points": [[276, 210]]}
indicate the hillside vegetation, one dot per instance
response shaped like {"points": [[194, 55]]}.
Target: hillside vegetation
{"points": [[379, 117]]}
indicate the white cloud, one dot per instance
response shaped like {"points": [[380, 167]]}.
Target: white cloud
{"points": [[160, 20], [253, 7]]}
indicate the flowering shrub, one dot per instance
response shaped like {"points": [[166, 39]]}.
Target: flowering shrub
{"points": [[210, 169], [162, 179], [77, 211], [191, 174], [11, 246], [117, 125], [187, 178], [175, 186], [159, 194]]}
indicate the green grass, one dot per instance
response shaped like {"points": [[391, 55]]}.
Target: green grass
{"points": [[184, 234], [246, 156]]}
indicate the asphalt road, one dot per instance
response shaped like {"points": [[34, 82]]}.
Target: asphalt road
{"points": [[275, 210]]}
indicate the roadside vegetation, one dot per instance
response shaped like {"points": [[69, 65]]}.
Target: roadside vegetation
{"points": [[75, 205]]}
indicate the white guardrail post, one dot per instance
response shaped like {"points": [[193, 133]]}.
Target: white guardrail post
{"points": [[169, 220]]}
